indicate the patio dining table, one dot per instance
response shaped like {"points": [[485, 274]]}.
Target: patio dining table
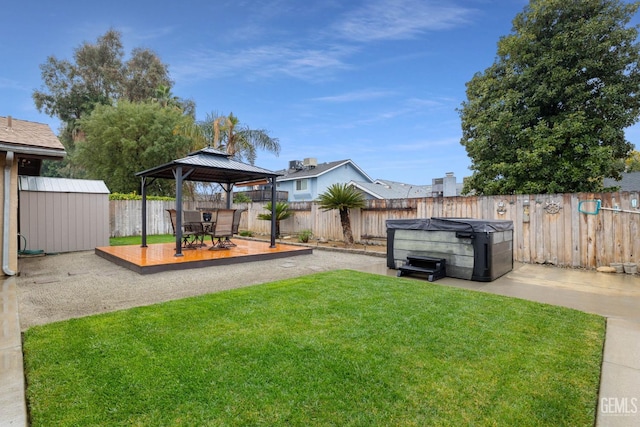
{"points": [[195, 232]]}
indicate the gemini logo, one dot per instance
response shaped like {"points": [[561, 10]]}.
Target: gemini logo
{"points": [[619, 406]]}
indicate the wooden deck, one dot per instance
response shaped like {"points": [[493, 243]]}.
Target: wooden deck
{"points": [[161, 257]]}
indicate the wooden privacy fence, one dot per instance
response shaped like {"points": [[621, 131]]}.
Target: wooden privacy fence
{"points": [[548, 229]]}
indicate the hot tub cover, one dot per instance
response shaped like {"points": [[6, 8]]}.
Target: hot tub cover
{"points": [[451, 224]]}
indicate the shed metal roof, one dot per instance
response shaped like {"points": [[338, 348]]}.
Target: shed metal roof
{"points": [[61, 185], [210, 165]]}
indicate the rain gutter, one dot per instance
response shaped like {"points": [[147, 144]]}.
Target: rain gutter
{"points": [[8, 164]]}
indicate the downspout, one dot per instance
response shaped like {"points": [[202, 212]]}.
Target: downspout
{"points": [[7, 214]]}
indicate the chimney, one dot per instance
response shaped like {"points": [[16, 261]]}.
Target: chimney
{"points": [[449, 184], [9, 122]]}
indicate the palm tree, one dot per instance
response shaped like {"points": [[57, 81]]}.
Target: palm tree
{"points": [[226, 133], [282, 212], [166, 99], [342, 197], [242, 142]]}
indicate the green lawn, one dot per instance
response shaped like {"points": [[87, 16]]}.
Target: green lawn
{"points": [[339, 348], [137, 240]]}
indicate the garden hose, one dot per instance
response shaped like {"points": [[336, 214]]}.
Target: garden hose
{"points": [[25, 251]]}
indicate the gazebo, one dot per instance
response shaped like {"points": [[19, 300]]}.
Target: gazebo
{"points": [[206, 165]]}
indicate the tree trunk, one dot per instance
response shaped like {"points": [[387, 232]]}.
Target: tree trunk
{"points": [[346, 227]]}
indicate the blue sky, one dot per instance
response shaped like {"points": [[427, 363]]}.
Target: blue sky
{"points": [[374, 81]]}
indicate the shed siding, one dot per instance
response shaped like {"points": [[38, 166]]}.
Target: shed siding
{"points": [[64, 222]]}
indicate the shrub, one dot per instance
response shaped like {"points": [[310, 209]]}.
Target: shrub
{"points": [[304, 236], [134, 196], [241, 198]]}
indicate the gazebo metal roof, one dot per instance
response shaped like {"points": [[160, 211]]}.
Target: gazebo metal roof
{"points": [[210, 165], [206, 165]]}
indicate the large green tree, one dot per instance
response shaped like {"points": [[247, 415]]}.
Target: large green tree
{"points": [[128, 138], [343, 198], [632, 163], [97, 75], [549, 115]]}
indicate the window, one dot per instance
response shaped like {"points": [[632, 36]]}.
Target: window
{"points": [[301, 184]]}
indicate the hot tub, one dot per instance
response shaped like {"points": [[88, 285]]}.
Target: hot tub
{"points": [[474, 249]]}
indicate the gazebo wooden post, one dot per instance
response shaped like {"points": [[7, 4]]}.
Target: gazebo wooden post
{"points": [[273, 212]]}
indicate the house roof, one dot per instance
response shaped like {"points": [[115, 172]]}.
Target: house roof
{"points": [[61, 185], [382, 189], [316, 171], [630, 182], [209, 165], [23, 137]]}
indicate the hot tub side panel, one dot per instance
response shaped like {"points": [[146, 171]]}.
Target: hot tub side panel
{"points": [[457, 251], [493, 255]]}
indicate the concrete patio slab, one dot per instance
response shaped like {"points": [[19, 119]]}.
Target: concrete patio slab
{"points": [[619, 397], [13, 409]]}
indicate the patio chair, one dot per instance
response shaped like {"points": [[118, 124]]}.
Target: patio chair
{"points": [[190, 232], [223, 228], [234, 228], [193, 224]]}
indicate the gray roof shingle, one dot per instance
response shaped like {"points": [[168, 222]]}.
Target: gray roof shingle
{"points": [[393, 190], [311, 172], [630, 182]]}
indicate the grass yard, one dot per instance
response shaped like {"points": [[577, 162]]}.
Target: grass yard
{"points": [[338, 348], [137, 240]]}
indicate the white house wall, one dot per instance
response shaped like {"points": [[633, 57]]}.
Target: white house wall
{"points": [[319, 184], [343, 174]]}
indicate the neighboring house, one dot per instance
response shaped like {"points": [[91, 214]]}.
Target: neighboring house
{"points": [[630, 182], [23, 146], [383, 189], [306, 180]]}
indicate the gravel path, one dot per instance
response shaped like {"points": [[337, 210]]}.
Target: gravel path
{"points": [[60, 287]]}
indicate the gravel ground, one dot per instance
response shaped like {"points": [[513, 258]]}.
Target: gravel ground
{"points": [[59, 287]]}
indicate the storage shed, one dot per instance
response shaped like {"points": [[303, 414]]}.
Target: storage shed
{"points": [[474, 249], [62, 215]]}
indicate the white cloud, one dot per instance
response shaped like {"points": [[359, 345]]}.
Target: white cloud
{"points": [[12, 84], [313, 57], [363, 95], [399, 20], [263, 61]]}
